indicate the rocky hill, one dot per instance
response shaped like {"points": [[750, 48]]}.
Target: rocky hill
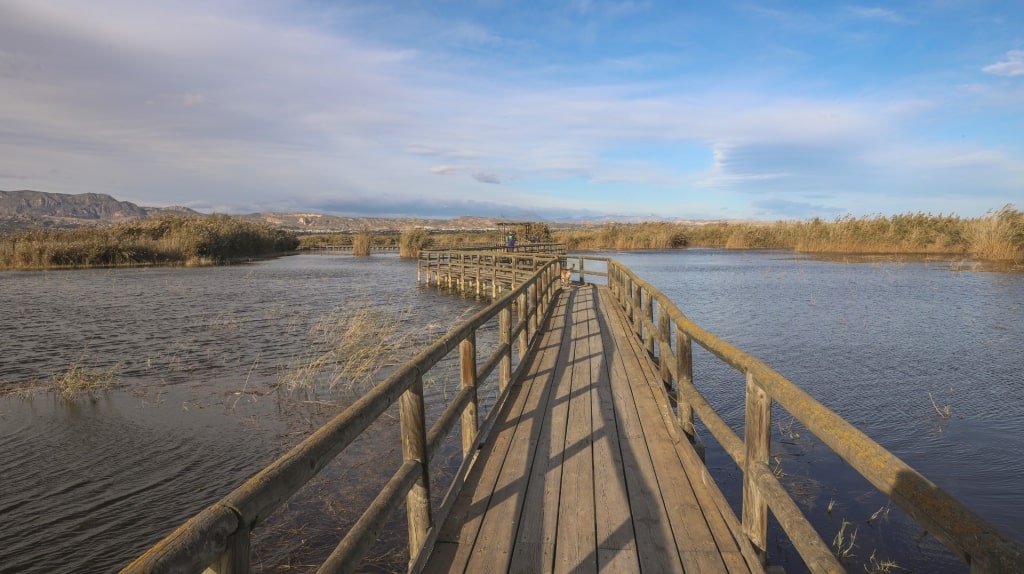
{"points": [[26, 209]]}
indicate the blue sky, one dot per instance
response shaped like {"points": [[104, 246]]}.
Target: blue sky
{"points": [[691, 110]]}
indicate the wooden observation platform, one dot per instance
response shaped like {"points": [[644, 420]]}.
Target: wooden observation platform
{"points": [[586, 460]]}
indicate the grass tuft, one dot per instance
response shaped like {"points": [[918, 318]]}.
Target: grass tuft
{"points": [[78, 380], [350, 346]]}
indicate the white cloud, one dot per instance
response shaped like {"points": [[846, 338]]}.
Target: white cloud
{"points": [[875, 13], [444, 169], [1013, 65], [485, 177]]}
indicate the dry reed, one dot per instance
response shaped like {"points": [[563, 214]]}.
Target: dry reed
{"points": [[997, 236], [167, 240], [361, 243]]}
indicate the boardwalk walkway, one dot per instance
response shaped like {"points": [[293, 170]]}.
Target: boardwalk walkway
{"points": [[582, 473]]}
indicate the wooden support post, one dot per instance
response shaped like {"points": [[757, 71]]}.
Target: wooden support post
{"points": [[757, 431], [505, 338], [684, 377], [636, 311], [414, 447], [535, 303], [524, 333], [467, 361], [648, 324], [583, 280], [235, 559], [664, 345]]}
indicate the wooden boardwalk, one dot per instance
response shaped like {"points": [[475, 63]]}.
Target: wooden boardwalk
{"points": [[581, 472]]}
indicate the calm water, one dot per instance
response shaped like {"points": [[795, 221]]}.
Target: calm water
{"points": [[88, 484], [872, 341]]}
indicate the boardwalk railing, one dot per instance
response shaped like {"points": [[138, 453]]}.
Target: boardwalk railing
{"points": [[655, 319], [325, 249], [218, 537], [485, 272]]}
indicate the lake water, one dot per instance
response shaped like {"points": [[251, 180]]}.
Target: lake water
{"points": [[201, 356]]}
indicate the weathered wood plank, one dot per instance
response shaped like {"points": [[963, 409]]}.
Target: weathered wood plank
{"points": [[576, 544], [535, 539], [592, 479], [460, 531], [616, 538], [655, 543]]}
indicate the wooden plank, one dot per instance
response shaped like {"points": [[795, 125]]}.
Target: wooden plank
{"points": [[494, 544], [535, 539], [576, 544], [616, 538], [717, 517], [654, 540], [462, 527]]}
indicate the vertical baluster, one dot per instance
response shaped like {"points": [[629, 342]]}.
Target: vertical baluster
{"points": [[505, 338], [467, 361], [414, 447], [756, 438]]}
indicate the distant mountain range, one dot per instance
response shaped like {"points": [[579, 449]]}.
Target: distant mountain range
{"points": [[26, 209]]}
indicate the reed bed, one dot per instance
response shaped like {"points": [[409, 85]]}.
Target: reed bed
{"points": [[361, 243], [412, 241], [170, 240], [997, 236]]}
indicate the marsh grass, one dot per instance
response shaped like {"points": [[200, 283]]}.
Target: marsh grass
{"points": [[945, 412], [997, 236], [350, 346], [412, 241], [361, 243], [170, 240], [844, 542], [79, 380]]}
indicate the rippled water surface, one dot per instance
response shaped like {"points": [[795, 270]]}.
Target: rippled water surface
{"points": [[88, 484], [884, 344]]}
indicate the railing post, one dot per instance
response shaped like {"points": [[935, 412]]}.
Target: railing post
{"points": [[647, 301], [467, 363], [684, 377], [505, 339], [756, 439], [583, 280], [414, 447], [534, 309], [664, 345], [235, 559], [524, 333], [636, 311]]}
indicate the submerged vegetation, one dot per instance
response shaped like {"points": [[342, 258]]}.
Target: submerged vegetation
{"points": [[997, 236], [170, 240]]}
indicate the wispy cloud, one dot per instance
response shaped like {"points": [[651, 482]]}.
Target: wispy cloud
{"points": [[875, 13], [1013, 65], [484, 177], [240, 105]]}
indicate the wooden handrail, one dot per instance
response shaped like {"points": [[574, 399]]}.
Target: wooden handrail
{"points": [[217, 538], [973, 539]]}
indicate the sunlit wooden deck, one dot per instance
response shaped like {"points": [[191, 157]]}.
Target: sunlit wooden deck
{"points": [[581, 472]]}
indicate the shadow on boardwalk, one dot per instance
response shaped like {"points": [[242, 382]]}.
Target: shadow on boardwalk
{"points": [[581, 472]]}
